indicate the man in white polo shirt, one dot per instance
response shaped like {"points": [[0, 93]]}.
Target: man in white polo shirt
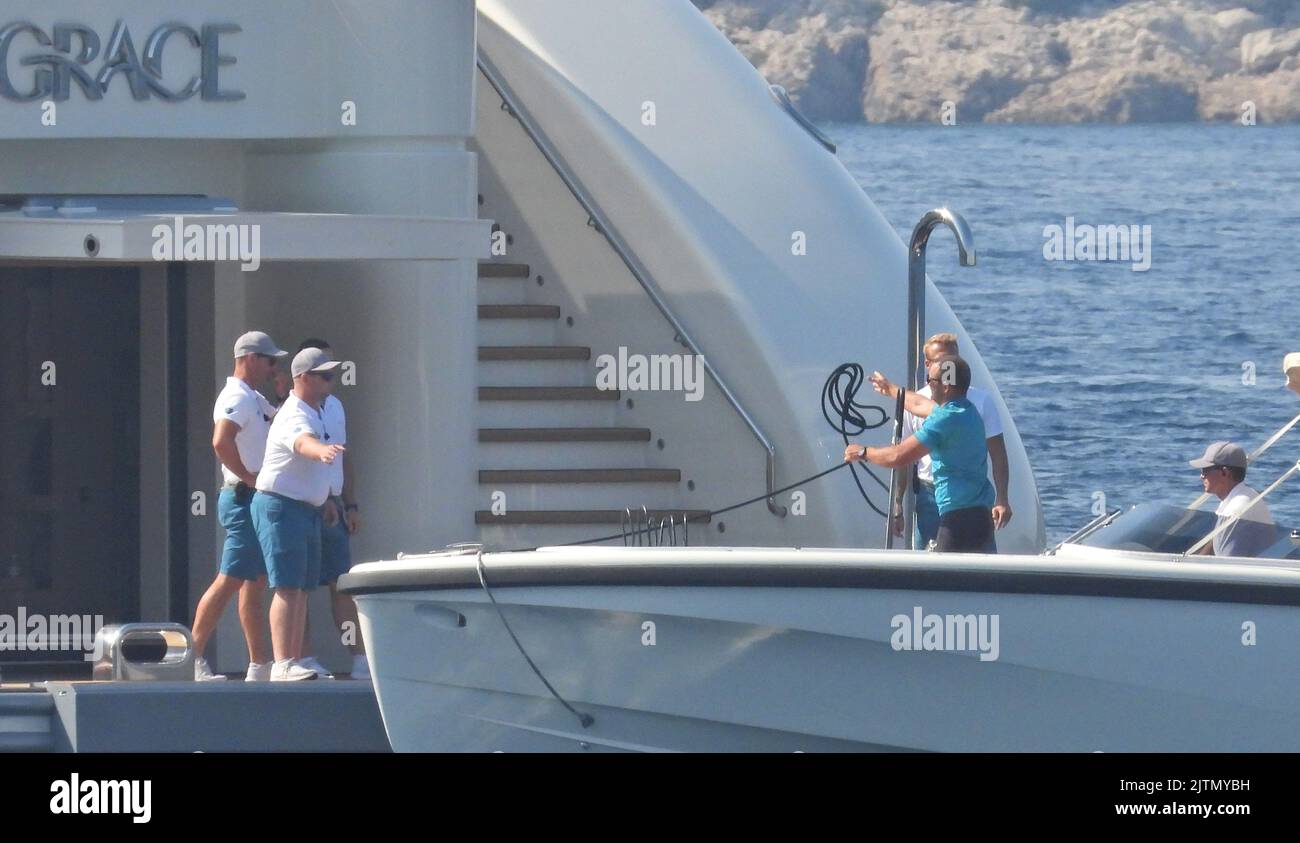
{"points": [[919, 405], [337, 531], [241, 419], [292, 487], [1248, 528]]}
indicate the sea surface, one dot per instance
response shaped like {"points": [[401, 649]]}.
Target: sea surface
{"points": [[1116, 378]]}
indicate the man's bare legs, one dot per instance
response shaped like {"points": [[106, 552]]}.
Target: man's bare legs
{"points": [[288, 615], [345, 612], [211, 605], [252, 617]]}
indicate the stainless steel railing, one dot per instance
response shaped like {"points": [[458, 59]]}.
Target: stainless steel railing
{"points": [[601, 222]]}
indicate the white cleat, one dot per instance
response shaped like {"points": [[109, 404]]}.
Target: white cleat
{"points": [[361, 668], [258, 672], [203, 673], [290, 671], [313, 665]]}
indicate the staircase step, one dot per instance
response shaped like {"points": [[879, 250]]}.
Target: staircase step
{"points": [[534, 352], [546, 393], [579, 475], [564, 434], [518, 311], [503, 270], [503, 332], [583, 516]]}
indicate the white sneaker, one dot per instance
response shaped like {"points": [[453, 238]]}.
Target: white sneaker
{"points": [[289, 671], [361, 668], [258, 672], [203, 673], [313, 665]]}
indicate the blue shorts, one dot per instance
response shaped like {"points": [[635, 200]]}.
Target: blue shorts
{"points": [[241, 555], [289, 533], [927, 520], [335, 551]]}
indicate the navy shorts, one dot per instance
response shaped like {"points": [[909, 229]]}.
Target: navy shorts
{"points": [[289, 533], [241, 555], [927, 521], [335, 551]]}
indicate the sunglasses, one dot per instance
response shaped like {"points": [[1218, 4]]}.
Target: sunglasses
{"points": [[325, 376], [1205, 472]]}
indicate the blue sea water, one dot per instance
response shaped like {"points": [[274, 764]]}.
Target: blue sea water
{"points": [[1115, 378]]}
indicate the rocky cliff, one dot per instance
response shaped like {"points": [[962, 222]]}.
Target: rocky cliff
{"points": [[1045, 61]]}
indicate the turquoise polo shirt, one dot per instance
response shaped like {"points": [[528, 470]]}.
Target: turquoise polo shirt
{"points": [[959, 456]]}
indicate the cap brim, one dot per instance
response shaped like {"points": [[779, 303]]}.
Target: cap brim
{"points": [[1200, 463], [325, 367]]}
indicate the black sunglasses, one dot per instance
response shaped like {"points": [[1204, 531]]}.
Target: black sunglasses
{"points": [[325, 376]]}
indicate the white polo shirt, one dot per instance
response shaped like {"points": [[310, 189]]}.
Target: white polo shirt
{"points": [[240, 403], [336, 433], [291, 474], [988, 410], [1252, 531]]}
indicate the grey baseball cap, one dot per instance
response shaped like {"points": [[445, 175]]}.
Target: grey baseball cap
{"points": [[312, 360], [256, 342], [1221, 453]]}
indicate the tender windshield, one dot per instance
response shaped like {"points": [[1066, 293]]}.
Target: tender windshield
{"points": [[1162, 528]]}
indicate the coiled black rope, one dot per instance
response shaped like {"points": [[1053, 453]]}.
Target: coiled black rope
{"points": [[838, 397]]}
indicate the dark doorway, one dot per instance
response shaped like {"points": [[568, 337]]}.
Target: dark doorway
{"points": [[70, 434]]}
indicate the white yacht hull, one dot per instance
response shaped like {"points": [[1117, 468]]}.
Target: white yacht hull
{"points": [[785, 650]]}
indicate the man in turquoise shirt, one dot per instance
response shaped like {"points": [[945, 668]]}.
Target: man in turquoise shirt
{"points": [[953, 436]]}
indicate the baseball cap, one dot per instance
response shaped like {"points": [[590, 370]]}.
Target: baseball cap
{"points": [[1291, 361], [256, 342], [312, 360], [1221, 453]]}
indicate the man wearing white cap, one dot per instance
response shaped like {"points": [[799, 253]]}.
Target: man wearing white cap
{"points": [[1291, 367], [292, 486], [1223, 474], [241, 419]]}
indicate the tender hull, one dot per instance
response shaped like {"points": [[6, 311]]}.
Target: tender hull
{"points": [[1090, 656]]}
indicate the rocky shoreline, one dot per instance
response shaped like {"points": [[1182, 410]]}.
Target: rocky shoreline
{"points": [[1025, 61]]}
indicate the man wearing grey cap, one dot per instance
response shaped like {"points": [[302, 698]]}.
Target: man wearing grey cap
{"points": [[241, 419], [292, 487], [1250, 529]]}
